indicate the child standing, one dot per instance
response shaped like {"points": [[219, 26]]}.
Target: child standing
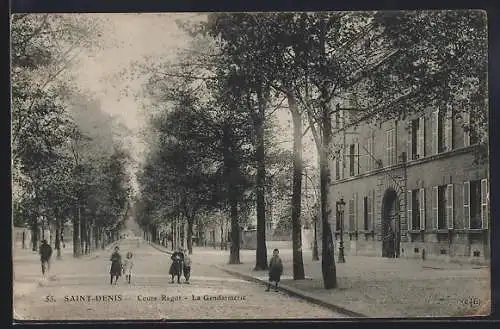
{"points": [[275, 270], [127, 266], [187, 266], [116, 265]]}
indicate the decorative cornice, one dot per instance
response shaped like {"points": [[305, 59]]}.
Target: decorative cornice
{"points": [[411, 163]]}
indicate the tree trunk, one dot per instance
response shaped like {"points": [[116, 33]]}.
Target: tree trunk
{"points": [[261, 253], [234, 254], [298, 264], [328, 259], [190, 235], [58, 238], [82, 234], [34, 235], [103, 238], [172, 233], [76, 233], [222, 235]]}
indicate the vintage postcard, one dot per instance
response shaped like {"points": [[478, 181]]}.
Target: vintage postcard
{"points": [[291, 165]]}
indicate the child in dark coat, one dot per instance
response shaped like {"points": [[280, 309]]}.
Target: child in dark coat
{"points": [[275, 270]]}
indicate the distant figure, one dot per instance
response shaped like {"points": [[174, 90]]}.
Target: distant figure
{"points": [[127, 267], [176, 267], [62, 240], [275, 270], [45, 254], [186, 266], [116, 265]]}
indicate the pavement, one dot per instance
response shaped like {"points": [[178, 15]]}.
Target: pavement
{"points": [[379, 287], [26, 273], [80, 290], [367, 287]]}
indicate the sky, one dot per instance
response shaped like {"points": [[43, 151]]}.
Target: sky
{"points": [[125, 39]]}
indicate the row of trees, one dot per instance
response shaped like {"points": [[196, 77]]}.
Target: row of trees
{"points": [[66, 164], [392, 64]]}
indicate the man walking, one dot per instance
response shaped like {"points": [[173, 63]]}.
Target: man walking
{"points": [[45, 254]]}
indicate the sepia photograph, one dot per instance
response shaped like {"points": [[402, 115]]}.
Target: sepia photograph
{"points": [[244, 166]]}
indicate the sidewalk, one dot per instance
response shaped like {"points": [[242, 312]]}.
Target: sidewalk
{"points": [[381, 287], [27, 262]]}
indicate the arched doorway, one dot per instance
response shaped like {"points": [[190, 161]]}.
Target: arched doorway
{"points": [[390, 224]]}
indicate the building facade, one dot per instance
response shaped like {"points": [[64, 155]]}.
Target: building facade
{"points": [[411, 188]]}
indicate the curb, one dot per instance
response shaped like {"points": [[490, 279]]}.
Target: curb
{"points": [[159, 248], [298, 293]]}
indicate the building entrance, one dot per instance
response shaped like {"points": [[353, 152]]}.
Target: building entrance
{"points": [[390, 224]]}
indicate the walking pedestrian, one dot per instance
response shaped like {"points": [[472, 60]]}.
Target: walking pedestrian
{"points": [[116, 265], [176, 267], [45, 254], [186, 266], [127, 266], [275, 270]]}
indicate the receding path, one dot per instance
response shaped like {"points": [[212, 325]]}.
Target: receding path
{"points": [[81, 290]]}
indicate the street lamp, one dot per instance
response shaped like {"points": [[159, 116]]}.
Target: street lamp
{"points": [[340, 212]]}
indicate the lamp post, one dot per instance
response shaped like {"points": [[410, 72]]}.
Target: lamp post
{"points": [[340, 211]]}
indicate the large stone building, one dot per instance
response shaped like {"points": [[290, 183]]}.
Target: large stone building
{"points": [[411, 189]]}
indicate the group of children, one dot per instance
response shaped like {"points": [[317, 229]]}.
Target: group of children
{"points": [[118, 267], [181, 263]]}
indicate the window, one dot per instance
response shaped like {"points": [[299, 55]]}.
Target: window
{"points": [[422, 208], [416, 141], [337, 120], [476, 201], [352, 158], [414, 210], [442, 206], [337, 168], [351, 215], [442, 131], [469, 139], [390, 147], [370, 151], [466, 123], [368, 213]]}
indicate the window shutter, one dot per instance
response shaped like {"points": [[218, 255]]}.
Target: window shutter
{"points": [[466, 118], [348, 160], [421, 137], [388, 147], [449, 205], [410, 150], [356, 212], [435, 206], [341, 162], [466, 192], [409, 209], [435, 134], [369, 211], [335, 169], [371, 154], [449, 128], [356, 159], [484, 203], [422, 208], [372, 206]]}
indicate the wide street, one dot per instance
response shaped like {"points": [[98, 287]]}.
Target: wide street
{"points": [[80, 290]]}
